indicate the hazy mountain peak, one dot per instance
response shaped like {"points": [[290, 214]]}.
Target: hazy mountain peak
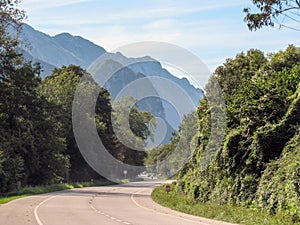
{"points": [[64, 34], [65, 49], [62, 49]]}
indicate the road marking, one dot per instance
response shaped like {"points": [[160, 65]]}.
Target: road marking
{"points": [[161, 213], [38, 220], [104, 214]]}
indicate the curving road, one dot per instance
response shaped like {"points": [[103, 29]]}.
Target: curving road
{"points": [[127, 204]]}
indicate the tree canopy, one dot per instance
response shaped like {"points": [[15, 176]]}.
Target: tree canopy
{"points": [[31, 145], [37, 144], [285, 13], [257, 164]]}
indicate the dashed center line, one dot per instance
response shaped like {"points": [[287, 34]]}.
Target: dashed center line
{"points": [[107, 215]]}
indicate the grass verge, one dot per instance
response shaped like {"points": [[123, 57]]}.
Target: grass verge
{"points": [[27, 191], [176, 200], [8, 199]]}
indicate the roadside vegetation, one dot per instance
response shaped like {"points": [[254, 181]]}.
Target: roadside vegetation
{"points": [[253, 177], [28, 191], [177, 200], [37, 143], [256, 166]]}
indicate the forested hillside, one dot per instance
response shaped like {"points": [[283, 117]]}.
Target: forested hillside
{"points": [[258, 164]]}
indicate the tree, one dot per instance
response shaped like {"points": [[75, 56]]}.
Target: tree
{"points": [[167, 159], [30, 132], [10, 25], [126, 112], [59, 89], [134, 137], [271, 12], [31, 144]]}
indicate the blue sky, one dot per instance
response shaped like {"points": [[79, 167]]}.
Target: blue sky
{"points": [[213, 30]]}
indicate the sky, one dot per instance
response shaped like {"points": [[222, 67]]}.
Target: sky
{"points": [[213, 30]]}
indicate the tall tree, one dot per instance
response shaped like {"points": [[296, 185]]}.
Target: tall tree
{"points": [[59, 89], [30, 142]]}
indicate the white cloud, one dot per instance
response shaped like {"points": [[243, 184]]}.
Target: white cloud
{"points": [[101, 15], [33, 5], [212, 39]]}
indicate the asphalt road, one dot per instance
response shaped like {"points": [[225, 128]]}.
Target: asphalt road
{"points": [[127, 204]]}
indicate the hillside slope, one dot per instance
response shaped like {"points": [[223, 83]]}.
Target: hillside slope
{"points": [[258, 163]]}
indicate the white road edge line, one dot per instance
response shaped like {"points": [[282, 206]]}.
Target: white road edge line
{"points": [[38, 220], [152, 210]]}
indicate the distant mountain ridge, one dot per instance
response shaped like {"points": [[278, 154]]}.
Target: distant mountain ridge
{"points": [[66, 49], [62, 49], [150, 67]]}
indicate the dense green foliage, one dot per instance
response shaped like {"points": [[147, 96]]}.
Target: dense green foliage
{"points": [[166, 160], [138, 128], [60, 88], [31, 145], [37, 144], [257, 164]]}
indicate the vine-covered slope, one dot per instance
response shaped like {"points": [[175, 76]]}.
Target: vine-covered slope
{"points": [[258, 164]]}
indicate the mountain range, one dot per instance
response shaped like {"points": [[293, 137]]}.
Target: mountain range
{"points": [[65, 49]]}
